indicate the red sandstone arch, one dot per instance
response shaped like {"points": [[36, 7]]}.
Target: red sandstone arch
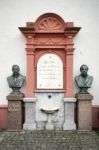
{"points": [[49, 22], [49, 33]]}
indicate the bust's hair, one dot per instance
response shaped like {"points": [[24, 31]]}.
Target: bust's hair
{"points": [[84, 66]]}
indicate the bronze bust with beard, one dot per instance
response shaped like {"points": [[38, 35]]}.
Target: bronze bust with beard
{"points": [[84, 81], [16, 80]]}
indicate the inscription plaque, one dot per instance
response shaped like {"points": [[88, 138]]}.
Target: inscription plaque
{"points": [[14, 106], [50, 72]]}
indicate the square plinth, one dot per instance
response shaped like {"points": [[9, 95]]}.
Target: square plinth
{"points": [[15, 116], [84, 116]]}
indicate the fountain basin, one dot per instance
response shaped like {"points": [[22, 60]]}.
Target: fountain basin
{"points": [[50, 110]]}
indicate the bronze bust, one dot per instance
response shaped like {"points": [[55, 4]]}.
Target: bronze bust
{"points": [[84, 81], [16, 80]]}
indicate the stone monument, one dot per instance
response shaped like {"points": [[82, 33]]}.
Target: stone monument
{"points": [[15, 82], [49, 50], [84, 103]]}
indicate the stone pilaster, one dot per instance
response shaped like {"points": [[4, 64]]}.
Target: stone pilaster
{"points": [[29, 114], [69, 67], [15, 116], [84, 117], [30, 86], [69, 123]]}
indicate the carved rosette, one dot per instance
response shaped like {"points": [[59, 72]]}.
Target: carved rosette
{"points": [[49, 24]]}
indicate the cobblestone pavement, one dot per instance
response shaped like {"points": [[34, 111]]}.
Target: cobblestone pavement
{"points": [[49, 140]]}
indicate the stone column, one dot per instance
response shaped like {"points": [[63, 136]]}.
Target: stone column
{"points": [[15, 118], [69, 123], [84, 117], [29, 114]]}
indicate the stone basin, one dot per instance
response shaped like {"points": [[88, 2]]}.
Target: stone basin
{"points": [[50, 110]]}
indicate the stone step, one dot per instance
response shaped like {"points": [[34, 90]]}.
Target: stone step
{"points": [[49, 140]]}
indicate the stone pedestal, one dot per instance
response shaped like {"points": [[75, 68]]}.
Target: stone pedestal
{"points": [[15, 112], [84, 116], [69, 123], [29, 114], [49, 124]]}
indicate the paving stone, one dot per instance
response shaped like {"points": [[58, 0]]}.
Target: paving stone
{"points": [[49, 140]]}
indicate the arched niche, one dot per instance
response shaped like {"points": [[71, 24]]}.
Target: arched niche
{"points": [[49, 72]]}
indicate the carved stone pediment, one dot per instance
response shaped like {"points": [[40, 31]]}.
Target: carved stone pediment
{"points": [[49, 24]]}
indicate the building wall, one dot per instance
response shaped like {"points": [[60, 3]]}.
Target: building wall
{"points": [[84, 13]]}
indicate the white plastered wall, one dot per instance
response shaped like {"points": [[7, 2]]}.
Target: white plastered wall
{"points": [[84, 13]]}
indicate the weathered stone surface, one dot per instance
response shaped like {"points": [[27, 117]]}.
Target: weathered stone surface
{"points": [[15, 116], [30, 123], [84, 117], [69, 123], [49, 140], [49, 100]]}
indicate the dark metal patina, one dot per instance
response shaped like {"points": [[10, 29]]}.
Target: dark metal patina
{"points": [[16, 80], [84, 81]]}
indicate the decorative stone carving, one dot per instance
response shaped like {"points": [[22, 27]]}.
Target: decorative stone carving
{"points": [[49, 111], [50, 41], [48, 99], [50, 34], [50, 24]]}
